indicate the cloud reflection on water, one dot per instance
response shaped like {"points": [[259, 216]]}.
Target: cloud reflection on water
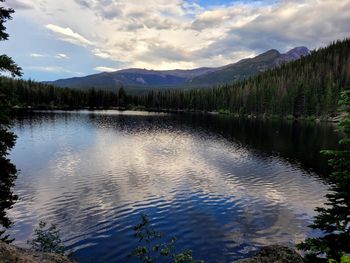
{"points": [[101, 171]]}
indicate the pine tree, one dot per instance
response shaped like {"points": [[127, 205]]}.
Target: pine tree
{"points": [[334, 219], [6, 63], [8, 171], [122, 97]]}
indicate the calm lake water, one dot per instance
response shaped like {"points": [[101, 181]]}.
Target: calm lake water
{"points": [[224, 187]]}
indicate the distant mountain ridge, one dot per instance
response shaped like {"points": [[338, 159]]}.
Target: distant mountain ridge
{"points": [[249, 67], [199, 77]]}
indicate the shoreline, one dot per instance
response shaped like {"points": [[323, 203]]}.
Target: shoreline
{"points": [[312, 119], [267, 254]]}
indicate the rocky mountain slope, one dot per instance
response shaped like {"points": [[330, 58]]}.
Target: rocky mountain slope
{"points": [[249, 67], [200, 77]]}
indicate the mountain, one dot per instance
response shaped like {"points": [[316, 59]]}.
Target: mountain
{"points": [[133, 78], [296, 53], [204, 77], [249, 67]]}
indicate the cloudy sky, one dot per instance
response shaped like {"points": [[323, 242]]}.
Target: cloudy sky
{"points": [[53, 39]]}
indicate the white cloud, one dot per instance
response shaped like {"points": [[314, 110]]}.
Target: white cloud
{"points": [[69, 35], [105, 69], [19, 4], [50, 69], [61, 56], [101, 54], [229, 16], [36, 55], [58, 56], [163, 34], [54, 69], [312, 23]]}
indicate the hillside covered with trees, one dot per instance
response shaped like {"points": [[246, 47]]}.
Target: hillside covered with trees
{"points": [[309, 86]]}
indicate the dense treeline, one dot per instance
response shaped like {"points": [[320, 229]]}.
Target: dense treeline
{"points": [[30, 93], [306, 87]]}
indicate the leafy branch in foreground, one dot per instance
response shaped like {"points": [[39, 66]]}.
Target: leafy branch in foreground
{"points": [[334, 218], [47, 239], [153, 250], [344, 259]]}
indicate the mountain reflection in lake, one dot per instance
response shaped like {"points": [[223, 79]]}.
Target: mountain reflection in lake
{"points": [[222, 186]]}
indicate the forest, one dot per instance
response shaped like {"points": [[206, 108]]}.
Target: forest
{"points": [[310, 86]]}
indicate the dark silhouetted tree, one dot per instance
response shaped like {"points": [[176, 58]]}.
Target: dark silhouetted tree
{"points": [[6, 63], [8, 171], [334, 219], [122, 97]]}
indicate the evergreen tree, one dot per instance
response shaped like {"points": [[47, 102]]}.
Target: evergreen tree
{"points": [[122, 97], [334, 219], [8, 171], [6, 63]]}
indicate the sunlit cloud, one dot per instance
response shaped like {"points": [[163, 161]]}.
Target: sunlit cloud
{"points": [[58, 56], [105, 69], [162, 34], [69, 35]]}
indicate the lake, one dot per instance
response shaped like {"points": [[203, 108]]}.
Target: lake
{"points": [[223, 186]]}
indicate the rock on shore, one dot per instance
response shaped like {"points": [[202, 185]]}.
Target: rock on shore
{"points": [[11, 254]]}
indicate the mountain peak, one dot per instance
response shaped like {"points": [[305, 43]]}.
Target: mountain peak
{"points": [[298, 52], [267, 56], [270, 53]]}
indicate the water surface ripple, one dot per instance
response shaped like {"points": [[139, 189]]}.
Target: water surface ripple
{"points": [[94, 173]]}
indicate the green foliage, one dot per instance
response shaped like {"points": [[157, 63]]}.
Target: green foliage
{"points": [[47, 239], [334, 219], [290, 117], [344, 259], [224, 112], [153, 249]]}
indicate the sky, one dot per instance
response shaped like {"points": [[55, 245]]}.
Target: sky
{"points": [[53, 39]]}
